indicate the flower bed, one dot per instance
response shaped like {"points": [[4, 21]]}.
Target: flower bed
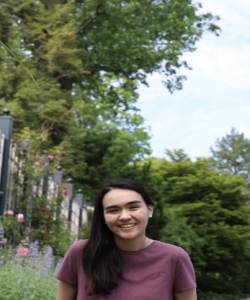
{"points": [[28, 272]]}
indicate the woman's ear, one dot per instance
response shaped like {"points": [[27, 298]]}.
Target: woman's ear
{"points": [[150, 210]]}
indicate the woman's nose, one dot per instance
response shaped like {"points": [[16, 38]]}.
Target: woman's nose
{"points": [[124, 215]]}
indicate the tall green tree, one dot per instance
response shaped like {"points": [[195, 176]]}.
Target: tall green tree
{"points": [[68, 45], [44, 40], [104, 136], [137, 38], [232, 153], [177, 155], [207, 213]]}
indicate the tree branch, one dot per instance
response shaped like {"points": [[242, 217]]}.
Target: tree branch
{"points": [[97, 14]]}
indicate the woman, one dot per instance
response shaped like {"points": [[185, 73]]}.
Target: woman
{"points": [[119, 262]]}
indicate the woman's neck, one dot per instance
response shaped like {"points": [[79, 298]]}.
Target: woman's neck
{"points": [[128, 245]]}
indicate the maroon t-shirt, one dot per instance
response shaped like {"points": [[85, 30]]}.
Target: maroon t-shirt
{"points": [[156, 272]]}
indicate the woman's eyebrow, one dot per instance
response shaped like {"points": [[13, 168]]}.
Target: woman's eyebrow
{"points": [[129, 203], [111, 206], [134, 202]]}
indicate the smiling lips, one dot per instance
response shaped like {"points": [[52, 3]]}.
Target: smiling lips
{"points": [[126, 225]]}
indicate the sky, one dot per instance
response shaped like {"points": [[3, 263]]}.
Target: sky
{"points": [[216, 95]]}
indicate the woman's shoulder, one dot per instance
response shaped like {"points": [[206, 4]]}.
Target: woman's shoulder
{"points": [[167, 248], [175, 253], [77, 246]]}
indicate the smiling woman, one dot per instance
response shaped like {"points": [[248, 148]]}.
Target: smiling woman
{"points": [[119, 261]]}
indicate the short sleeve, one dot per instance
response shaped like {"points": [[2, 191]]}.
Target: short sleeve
{"points": [[68, 272], [184, 279]]}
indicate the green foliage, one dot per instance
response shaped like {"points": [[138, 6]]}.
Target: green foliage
{"points": [[214, 296], [84, 231], [48, 230], [207, 213], [28, 282], [14, 231], [25, 278], [177, 155], [137, 38], [105, 136], [32, 31], [70, 47], [232, 154]]}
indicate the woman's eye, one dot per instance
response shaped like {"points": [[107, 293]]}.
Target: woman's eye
{"points": [[113, 211], [134, 207]]}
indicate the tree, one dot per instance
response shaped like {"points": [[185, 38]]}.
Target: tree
{"points": [[137, 38], [177, 155], [232, 154], [67, 46], [103, 138], [207, 213], [43, 40]]}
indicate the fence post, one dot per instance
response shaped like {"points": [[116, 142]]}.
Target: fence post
{"points": [[79, 200], [45, 178], [58, 179], [58, 176], [6, 126], [88, 203], [70, 188]]}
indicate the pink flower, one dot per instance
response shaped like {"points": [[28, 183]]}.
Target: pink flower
{"points": [[45, 209], [4, 240], [66, 193], [22, 251], [10, 212], [50, 157], [20, 218], [37, 163]]}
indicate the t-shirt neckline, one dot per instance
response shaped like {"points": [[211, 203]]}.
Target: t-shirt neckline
{"points": [[138, 251]]}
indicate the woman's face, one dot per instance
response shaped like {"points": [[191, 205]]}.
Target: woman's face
{"points": [[126, 215]]}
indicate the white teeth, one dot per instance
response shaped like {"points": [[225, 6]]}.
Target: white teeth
{"points": [[127, 225]]}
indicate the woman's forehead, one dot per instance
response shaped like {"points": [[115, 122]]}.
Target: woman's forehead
{"points": [[121, 197]]}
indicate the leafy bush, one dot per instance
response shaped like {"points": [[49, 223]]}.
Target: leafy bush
{"points": [[47, 231], [28, 275], [214, 296]]}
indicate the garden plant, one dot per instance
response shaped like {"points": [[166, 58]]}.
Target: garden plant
{"points": [[27, 271]]}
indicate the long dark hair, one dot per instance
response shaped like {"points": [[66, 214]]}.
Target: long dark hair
{"points": [[101, 258]]}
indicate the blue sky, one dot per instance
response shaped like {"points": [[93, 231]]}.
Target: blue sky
{"points": [[216, 94]]}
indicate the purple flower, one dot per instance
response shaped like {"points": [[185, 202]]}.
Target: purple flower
{"points": [[10, 213]]}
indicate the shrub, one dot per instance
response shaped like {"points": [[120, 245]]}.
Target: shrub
{"points": [[214, 296], [28, 275]]}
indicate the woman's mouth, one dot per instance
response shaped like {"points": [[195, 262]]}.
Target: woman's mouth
{"points": [[126, 225]]}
